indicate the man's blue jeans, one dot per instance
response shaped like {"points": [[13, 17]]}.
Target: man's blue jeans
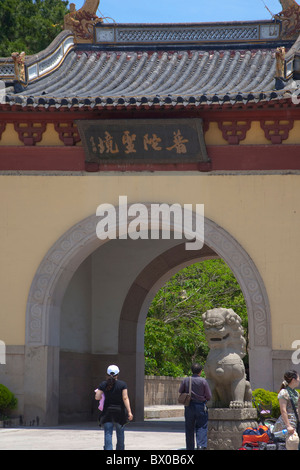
{"points": [[196, 419], [108, 432]]}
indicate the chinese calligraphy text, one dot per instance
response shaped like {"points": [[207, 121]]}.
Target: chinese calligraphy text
{"points": [[135, 140]]}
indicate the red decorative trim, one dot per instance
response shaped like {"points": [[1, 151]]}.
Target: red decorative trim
{"points": [[68, 132], [42, 158], [255, 157], [2, 128], [30, 134], [268, 110], [223, 158], [276, 131], [205, 125], [234, 123], [234, 131]]}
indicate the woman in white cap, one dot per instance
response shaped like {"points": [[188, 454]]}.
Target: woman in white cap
{"points": [[289, 403], [116, 404]]}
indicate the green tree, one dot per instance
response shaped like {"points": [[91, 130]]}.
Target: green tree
{"points": [[7, 401], [29, 25], [174, 335]]}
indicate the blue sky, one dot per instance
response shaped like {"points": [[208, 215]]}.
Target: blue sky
{"points": [[177, 11]]}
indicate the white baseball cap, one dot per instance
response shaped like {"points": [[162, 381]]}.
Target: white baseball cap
{"points": [[113, 370]]}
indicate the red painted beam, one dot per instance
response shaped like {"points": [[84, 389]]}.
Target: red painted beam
{"points": [[42, 158], [254, 157], [223, 158]]}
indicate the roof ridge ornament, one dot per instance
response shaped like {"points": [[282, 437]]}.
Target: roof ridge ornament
{"points": [[81, 22], [289, 18], [19, 66]]}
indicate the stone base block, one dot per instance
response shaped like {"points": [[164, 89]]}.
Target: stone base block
{"points": [[163, 411], [226, 427]]}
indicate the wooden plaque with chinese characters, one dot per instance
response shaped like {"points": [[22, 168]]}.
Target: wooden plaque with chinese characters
{"points": [[143, 141]]}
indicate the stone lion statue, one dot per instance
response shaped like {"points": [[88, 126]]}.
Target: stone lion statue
{"points": [[224, 368]]}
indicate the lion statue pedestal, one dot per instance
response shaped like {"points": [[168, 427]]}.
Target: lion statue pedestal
{"points": [[226, 426], [230, 409]]}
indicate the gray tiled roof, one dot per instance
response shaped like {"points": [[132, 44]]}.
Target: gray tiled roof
{"points": [[101, 78]]}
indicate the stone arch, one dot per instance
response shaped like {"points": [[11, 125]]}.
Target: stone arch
{"points": [[64, 258], [218, 243]]}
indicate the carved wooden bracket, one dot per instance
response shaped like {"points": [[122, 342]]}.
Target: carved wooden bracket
{"points": [[234, 131], [205, 125], [2, 128], [68, 132], [276, 131], [30, 133]]}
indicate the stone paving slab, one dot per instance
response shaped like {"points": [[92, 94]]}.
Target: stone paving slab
{"points": [[167, 434]]}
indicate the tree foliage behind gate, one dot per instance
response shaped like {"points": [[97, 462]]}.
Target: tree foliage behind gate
{"points": [[174, 335], [29, 25]]}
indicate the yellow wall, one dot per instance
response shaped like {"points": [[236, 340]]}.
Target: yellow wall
{"points": [[261, 211]]}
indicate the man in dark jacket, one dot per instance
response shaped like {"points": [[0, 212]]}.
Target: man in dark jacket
{"points": [[196, 414]]}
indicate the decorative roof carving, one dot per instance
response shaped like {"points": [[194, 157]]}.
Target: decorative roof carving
{"points": [[19, 66], [187, 33], [280, 62], [81, 22], [289, 18]]}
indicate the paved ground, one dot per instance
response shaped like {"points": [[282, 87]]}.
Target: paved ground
{"points": [[154, 434]]}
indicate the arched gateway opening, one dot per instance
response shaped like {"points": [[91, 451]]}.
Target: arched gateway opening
{"points": [[72, 336]]}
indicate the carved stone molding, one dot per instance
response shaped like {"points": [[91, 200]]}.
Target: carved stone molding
{"points": [[63, 259]]}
